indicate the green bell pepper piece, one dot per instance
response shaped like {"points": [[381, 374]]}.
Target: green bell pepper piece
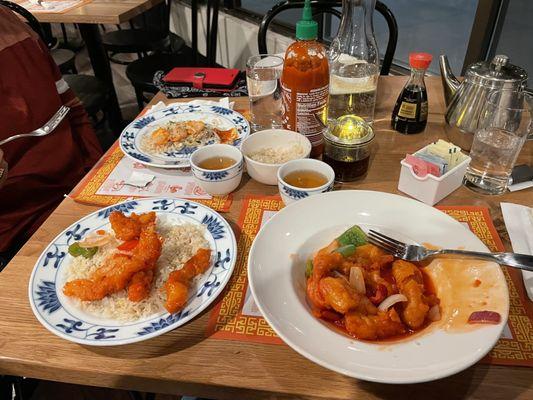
{"points": [[308, 268], [89, 252], [346, 251], [355, 236], [75, 250]]}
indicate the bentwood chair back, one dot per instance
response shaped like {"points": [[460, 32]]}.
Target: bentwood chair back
{"points": [[321, 7]]}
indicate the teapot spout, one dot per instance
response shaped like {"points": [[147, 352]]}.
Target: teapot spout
{"points": [[449, 81]]}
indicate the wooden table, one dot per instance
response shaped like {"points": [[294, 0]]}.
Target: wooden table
{"points": [[185, 361], [88, 16]]}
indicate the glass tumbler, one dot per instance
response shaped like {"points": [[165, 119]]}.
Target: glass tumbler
{"points": [[504, 124], [263, 74]]}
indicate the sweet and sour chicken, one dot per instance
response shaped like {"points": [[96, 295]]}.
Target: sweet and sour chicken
{"points": [[362, 289]]}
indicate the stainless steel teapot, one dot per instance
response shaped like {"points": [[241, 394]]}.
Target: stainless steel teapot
{"points": [[464, 100]]}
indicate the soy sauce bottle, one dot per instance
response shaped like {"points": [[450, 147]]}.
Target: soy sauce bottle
{"points": [[410, 113]]}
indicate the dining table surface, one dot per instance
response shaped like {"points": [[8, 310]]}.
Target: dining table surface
{"points": [[97, 12], [187, 361]]}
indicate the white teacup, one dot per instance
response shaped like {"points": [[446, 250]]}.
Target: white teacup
{"points": [[289, 193], [217, 181]]}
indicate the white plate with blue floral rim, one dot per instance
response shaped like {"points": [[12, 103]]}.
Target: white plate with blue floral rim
{"points": [[219, 117], [433, 353], [61, 316]]}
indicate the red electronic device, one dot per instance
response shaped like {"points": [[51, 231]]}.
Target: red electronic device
{"points": [[201, 78]]}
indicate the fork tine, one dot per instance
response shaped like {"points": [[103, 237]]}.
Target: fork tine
{"points": [[387, 239], [57, 118], [385, 246], [62, 112]]}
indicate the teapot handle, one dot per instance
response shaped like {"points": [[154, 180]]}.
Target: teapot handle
{"points": [[530, 104]]}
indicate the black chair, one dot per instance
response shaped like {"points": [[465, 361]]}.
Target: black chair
{"points": [[141, 72], [154, 35], [328, 7], [65, 59]]}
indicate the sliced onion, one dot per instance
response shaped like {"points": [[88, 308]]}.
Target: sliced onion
{"points": [[124, 253], [95, 240], [484, 317], [390, 301], [357, 280], [434, 313]]}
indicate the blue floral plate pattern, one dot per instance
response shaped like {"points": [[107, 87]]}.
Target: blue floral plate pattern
{"points": [[220, 117], [61, 316]]}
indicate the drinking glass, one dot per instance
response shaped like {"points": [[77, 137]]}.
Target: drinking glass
{"points": [[504, 124], [263, 74]]}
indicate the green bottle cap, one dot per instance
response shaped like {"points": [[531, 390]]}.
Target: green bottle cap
{"points": [[307, 28]]}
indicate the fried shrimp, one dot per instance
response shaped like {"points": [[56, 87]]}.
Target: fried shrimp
{"points": [[177, 285], [120, 270], [410, 283], [372, 327], [360, 288]]}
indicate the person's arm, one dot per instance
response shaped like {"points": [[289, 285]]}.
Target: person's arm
{"points": [[3, 169], [81, 127]]}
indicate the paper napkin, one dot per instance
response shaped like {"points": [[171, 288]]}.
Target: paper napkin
{"points": [[519, 223], [139, 179]]}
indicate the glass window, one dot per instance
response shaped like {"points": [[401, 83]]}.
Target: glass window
{"points": [[441, 27], [260, 7], [432, 26], [516, 34]]}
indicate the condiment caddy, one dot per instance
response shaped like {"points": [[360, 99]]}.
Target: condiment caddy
{"points": [[418, 181]]}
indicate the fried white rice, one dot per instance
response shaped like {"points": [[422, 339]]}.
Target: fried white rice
{"points": [[207, 135], [180, 243]]}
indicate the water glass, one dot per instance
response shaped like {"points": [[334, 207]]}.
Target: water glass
{"points": [[263, 74], [504, 124]]}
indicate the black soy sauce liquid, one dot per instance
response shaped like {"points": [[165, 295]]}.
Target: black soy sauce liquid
{"points": [[416, 120], [347, 171]]}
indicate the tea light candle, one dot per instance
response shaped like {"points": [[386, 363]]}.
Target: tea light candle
{"points": [[347, 147]]}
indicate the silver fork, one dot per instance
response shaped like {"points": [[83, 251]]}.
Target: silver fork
{"points": [[410, 252], [43, 130]]}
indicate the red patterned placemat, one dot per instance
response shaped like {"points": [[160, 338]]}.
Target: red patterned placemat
{"points": [[235, 317], [86, 190]]}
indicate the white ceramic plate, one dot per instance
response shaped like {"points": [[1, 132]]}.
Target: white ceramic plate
{"points": [[277, 282], [61, 315], [220, 117]]}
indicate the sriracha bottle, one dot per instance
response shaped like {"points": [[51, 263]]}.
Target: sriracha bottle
{"points": [[305, 83]]}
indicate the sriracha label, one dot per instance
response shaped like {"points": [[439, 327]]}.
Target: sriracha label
{"points": [[310, 108], [305, 91]]}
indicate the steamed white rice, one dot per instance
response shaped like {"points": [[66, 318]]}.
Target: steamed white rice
{"points": [[180, 243], [278, 155]]}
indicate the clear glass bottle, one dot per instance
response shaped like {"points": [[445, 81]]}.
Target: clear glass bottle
{"points": [[354, 63], [410, 113]]}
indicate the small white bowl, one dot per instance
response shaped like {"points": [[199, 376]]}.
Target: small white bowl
{"points": [[276, 138], [290, 194], [219, 181]]}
